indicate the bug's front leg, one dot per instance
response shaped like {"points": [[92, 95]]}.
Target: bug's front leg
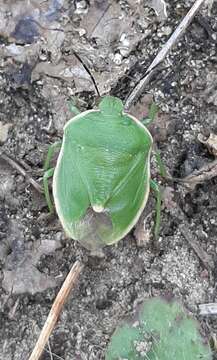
{"points": [[49, 173], [156, 189], [151, 115], [72, 108], [51, 150]]}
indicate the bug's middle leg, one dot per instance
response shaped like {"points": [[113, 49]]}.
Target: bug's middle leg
{"points": [[154, 186], [160, 164]]}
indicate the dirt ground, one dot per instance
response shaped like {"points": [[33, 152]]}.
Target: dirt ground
{"points": [[46, 48]]}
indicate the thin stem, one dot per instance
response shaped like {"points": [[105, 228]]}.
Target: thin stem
{"points": [[57, 306], [137, 91], [22, 171]]}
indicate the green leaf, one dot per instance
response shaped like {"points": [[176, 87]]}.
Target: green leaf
{"points": [[164, 331]]}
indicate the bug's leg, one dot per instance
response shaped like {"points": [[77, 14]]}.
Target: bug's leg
{"points": [[160, 164], [156, 189], [46, 176], [151, 115], [51, 150], [73, 108]]}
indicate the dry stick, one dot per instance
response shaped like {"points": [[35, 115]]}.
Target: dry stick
{"points": [[50, 352], [22, 171], [206, 260], [207, 309], [57, 306], [162, 54]]}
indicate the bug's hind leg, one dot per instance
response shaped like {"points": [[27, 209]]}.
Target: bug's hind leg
{"points": [[51, 150], [49, 173], [156, 189], [72, 108]]}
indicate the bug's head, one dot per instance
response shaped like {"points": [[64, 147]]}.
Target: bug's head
{"points": [[111, 105]]}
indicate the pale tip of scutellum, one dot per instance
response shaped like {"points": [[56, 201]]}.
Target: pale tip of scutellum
{"points": [[98, 208]]}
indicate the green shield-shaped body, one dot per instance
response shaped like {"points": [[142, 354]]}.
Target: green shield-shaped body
{"points": [[102, 178]]}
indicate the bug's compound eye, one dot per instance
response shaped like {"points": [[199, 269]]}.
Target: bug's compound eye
{"points": [[111, 105]]}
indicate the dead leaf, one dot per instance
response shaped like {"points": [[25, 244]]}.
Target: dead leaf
{"points": [[73, 70], [26, 279], [206, 259], [159, 128], [21, 54], [210, 4], [210, 93], [106, 79], [168, 198], [142, 232], [141, 108], [20, 273], [4, 128], [160, 8], [205, 173], [210, 142], [33, 23], [208, 309], [113, 31]]}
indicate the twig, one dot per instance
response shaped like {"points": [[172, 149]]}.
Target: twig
{"points": [[189, 236], [203, 256], [208, 309], [57, 306], [55, 355], [22, 171], [205, 173], [200, 176], [50, 352], [162, 54]]}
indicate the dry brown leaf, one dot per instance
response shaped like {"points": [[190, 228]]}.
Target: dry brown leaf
{"points": [[26, 279], [210, 142], [210, 93], [20, 271], [168, 198], [115, 29], [205, 173], [210, 4], [160, 8], [141, 108], [206, 259], [4, 128], [73, 70], [107, 23], [142, 232]]}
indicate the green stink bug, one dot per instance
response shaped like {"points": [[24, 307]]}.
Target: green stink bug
{"points": [[102, 178]]}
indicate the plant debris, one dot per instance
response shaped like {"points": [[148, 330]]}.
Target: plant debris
{"points": [[160, 8], [20, 274], [210, 142], [36, 104], [205, 173], [4, 128]]}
